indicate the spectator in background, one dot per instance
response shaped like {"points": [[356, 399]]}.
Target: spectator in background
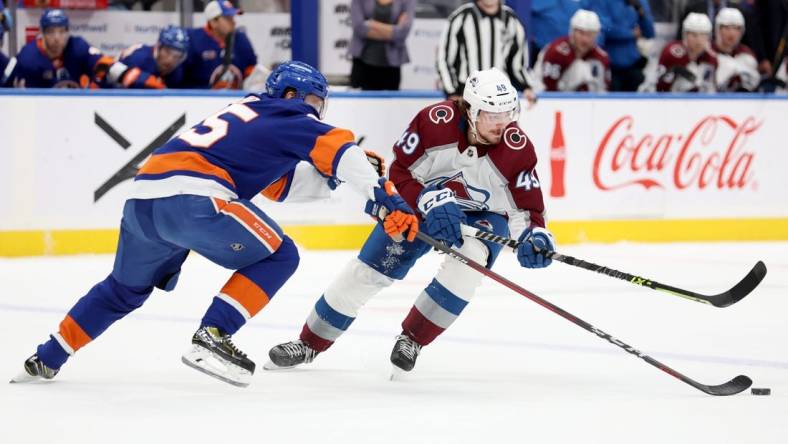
{"points": [[481, 35], [380, 28], [623, 23], [5, 25], [56, 59], [766, 26], [575, 62], [550, 20], [158, 66], [689, 65], [737, 68], [206, 66]]}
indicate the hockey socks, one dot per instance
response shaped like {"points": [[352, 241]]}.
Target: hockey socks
{"points": [[324, 326]]}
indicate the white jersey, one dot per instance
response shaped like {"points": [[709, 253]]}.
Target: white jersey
{"points": [[499, 178]]}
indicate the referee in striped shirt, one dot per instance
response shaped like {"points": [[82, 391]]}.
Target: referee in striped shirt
{"points": [[480, 35]]}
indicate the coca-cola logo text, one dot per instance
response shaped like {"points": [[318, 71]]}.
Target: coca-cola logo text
{"points": [[712, 155]]}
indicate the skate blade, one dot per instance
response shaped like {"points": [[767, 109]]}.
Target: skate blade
{"points": [[212, 365], [24, 377], [273, 367], [397, 374]]}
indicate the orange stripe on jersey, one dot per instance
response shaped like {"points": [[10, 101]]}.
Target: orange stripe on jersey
{"points": [[254, 224], [247, 293], [131, 76], [326, 148], [248, 71], [183, 161], [275, 190], [73, 334]]}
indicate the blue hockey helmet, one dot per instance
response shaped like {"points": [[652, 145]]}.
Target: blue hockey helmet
{"points": [[53, 17], [299, 76], [174, 37]]}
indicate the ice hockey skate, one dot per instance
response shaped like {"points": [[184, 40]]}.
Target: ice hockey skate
{"points": [[214, 354], [404, 355], [289, 355], [35, 370]]}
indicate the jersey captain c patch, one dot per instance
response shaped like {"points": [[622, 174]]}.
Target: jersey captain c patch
{"points": [[441, 114], [514, 138]]}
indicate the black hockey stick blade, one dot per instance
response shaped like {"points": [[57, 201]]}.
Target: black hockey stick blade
{"points": [[732, 296], [732, 387]]}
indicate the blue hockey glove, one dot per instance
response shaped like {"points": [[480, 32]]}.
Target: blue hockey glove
{"points": [[391, 209], [442, 215], [531, 239]]}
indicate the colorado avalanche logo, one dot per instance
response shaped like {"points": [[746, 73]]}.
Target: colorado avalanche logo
{"points": [[514, 138], [677, 51], [467, 196], [441, 114]]}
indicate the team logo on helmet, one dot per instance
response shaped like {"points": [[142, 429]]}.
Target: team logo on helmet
{"points": [[441, 114], [514, 138]]}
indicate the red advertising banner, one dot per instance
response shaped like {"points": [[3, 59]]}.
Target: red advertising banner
{"points": [[66, 4]]}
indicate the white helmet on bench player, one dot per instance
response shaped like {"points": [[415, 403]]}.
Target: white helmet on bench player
{"points": [[491, 91]]}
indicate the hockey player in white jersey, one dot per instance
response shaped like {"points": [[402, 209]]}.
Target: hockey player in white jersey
{"points": [[737, 68], [464, 161]]}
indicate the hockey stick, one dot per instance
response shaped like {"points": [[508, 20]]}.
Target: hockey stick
{"points": [[735, 385], [724, 299], [227, 57]]}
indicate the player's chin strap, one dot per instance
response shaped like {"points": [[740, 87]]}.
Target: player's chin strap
{"points": [[730, 297]]}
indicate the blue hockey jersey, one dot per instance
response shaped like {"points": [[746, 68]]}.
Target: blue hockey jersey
{"points": [[32, 68], [252, 146], [204, 62], [146, 75]]}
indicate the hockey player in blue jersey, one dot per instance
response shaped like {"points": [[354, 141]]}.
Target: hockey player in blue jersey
{"points": [[158, 66], [206, 66], [56, 59], [194, 193]]}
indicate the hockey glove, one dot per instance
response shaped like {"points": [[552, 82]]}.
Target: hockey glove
{"points": [[377, 162], [392, 210], [532, 241], [442, 215]]}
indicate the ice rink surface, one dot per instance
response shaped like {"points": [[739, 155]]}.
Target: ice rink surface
{"points": [[507, 371]]}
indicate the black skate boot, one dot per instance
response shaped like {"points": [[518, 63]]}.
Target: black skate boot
{"points": [[214, 353], [405, 352], [289, 355], [35, 370]]}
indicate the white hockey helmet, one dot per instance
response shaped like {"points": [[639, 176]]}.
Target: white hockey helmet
{"points": [[729, 17], [490, 90], [585, 21], [697, 22]]}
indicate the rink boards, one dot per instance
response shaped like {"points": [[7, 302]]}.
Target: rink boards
{"points": [[641, 168]]}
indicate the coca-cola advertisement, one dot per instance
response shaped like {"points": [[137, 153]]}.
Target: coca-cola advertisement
{"points": [[634, 159], [712, 153]]}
